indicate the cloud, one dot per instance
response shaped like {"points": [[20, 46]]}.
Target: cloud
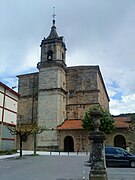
{"points": [[126, 105]]}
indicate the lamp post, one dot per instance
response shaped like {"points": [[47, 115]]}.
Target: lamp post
{"points": [[98, 166]]}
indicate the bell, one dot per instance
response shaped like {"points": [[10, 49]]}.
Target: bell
{"points": [[49, 57]]}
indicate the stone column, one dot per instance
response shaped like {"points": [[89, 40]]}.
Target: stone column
{"points": [[97, 156]]}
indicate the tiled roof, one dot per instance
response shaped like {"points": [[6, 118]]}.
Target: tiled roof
{"points": [[123, 119], [120, 122], [70, 124]]}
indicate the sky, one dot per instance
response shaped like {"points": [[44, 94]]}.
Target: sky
{"points": [[96, 32]]}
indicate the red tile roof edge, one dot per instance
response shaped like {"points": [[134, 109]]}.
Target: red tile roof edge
{"points": [[74, 124]]}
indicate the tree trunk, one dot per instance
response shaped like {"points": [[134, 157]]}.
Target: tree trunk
{"points": [[35, 144], [20, 145]]}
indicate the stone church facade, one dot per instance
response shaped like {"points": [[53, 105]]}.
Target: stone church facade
{"points": [[58, 96]]}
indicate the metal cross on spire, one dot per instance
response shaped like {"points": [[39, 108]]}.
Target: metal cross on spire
{"points": [[53, 16]]}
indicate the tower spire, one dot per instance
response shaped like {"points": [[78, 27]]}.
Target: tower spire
{"points": [[53, 34], [54, 15]]}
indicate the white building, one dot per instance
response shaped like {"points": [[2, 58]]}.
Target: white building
{"points": [[8, 116]]}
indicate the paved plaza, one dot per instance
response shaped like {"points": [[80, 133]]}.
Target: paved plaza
{"points": [[55, 167]]}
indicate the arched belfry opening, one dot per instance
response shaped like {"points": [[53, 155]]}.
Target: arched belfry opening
{"points": [[68, 144], [120, 141], [49, 55]]}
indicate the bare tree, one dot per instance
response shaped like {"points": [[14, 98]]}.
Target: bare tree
{"points": [[24, 130]]}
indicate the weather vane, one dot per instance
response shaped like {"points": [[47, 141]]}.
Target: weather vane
{"points": [[53, 16]]}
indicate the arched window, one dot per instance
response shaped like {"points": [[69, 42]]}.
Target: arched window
{"points": [[63, 56], [120, 141], [49, 55]]}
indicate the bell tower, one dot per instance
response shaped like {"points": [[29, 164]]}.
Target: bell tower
{"points": [[53, 48], [52, 88]]}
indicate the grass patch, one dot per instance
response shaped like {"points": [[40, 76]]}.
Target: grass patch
{"points": [[8, 152], [35, 155]]}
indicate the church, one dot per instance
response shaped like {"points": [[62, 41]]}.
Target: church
{"points": [[57, 97]]}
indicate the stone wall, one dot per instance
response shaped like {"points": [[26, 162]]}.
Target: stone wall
{"points": [[28, 145], [84, 88], [51, 103], [80, 138], [103, 96], [81, 142], [129, 137], [27, 103]]}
